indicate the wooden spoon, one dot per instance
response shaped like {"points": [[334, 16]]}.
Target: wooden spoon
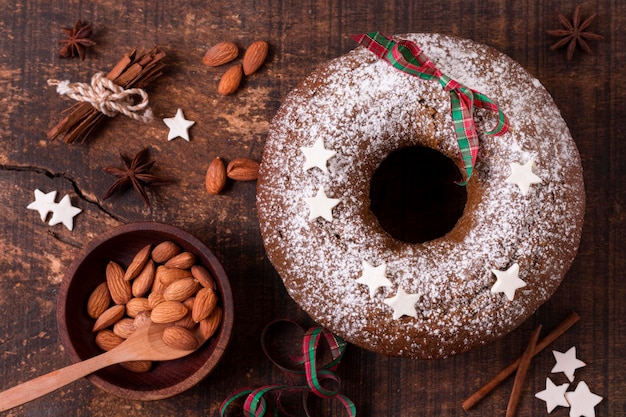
{"points": [[145, 343]]}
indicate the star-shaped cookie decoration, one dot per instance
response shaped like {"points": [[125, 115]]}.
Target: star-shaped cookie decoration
{"points": [[567, 363], [582, 401], [508, 281], [179, 126], [64, 213], [321, 205], [317, 156], [374, 277], [523, 176], [403, 304], [44, 203], [553, 395]]}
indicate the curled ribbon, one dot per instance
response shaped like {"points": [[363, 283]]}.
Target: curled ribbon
{"points": [[107, 97], [321, 380], [407, 57]]}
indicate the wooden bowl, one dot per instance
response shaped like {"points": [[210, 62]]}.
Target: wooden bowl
{"points": [[166, 378]]}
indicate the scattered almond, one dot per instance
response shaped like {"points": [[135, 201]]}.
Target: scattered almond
{"points": [[220, 53], [203, 305], [164, 251], [209, 326], [143, 282], [137, 264], [141, 318], [203, 276], [183, 260], [215, 178], [107, 340], [124, 327], [181, 289], [180, 338], [229, 83], [167, 276], [254, 57], [137, 366], [243, 169], [136, 305], [168, 312], [98, 301], [110, 316], [155, 298], [119, 288]]}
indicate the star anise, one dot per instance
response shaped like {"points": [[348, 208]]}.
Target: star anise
{"points": [[574, 33], [135, 173], [77, 40]]}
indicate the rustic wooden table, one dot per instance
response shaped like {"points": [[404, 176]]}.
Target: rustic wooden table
{"points": [[301, 34]]}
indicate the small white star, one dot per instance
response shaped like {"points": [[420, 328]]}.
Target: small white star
{"points": [[553, 395], [317, 155], [582, 401], [567, 363], [321, 206], [403, 304], [508, 281], [374, 277], [64, 213], [523, 176], [44, 203], [179, 126]]}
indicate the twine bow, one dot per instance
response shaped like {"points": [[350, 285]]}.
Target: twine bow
{"points": [[407, 57], [107, 97], [321, 380]]}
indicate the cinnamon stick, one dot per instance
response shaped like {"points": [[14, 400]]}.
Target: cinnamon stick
{"points": [[520, 375], [134, 70], [559, 330]]}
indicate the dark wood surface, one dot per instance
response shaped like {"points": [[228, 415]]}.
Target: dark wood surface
{"points": [[301, 34]]}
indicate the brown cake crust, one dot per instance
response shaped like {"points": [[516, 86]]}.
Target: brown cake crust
{"points": [[364, 109]]}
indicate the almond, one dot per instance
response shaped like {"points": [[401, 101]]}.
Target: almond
{"points": [[155, 298], [107, 340], [215, 178], [137, 264], [110, 316], [119, 288], [203, 276], [137, 366], [164, 251], [205, 302], [167, 276], [184, 260], [243, 169], [229, 83], [181, 289], [186, 322], [141, 319], [168, 312], [179, 338], [98, 301], [124, 327], [220, 53], [209, 326], [136, 305], [254, 57], [143, 282]]}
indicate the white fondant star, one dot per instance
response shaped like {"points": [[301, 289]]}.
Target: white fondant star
{"points": [[317, 155], [582, 401], [321, 206], [567, 363], [374, 277], [64, 212], [508, 281], [179, 126], [523, 176], [44, 203], [403, 304], [553, 395]]}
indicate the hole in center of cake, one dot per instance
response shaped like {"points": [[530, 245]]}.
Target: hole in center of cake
{"points": [[414, 194]]}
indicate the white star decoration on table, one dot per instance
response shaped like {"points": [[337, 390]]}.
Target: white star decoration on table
{"points": [[317, 156], [582, 401], [44, 203], [523, 176], [62, 212], [403, 304], [553, 395], [508, 281], [374, 277], [321, 206], [567, 363], [179, 126]]}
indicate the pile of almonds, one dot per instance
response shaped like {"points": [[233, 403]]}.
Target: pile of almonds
{"points": [[239, 169], [163, 284], [225, 52]]}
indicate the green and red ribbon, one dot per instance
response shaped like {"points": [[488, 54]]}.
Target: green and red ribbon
{"points": [[321, 380], [407, 57]]}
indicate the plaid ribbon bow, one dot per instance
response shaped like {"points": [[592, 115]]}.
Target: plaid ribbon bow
{"points": [[407, 57], [321, 380]]}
